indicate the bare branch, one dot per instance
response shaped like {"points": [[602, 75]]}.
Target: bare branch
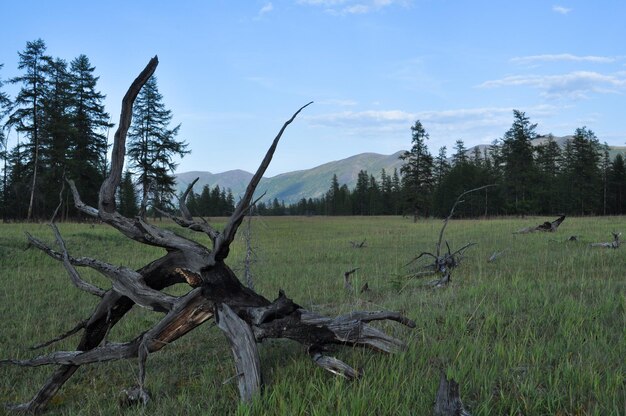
{"points": [[333, 365], [61, 337], [65, 258], [78, 202], [445, 222], [223, 241], [107, 190], [71, 270], [184, 211]]}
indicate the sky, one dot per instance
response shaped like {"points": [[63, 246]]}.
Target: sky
{"points": [[233, 71]]}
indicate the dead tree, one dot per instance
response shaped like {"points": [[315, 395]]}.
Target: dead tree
{"points": [[611, 244], [547, 226], [245, 316], [358, 244], [346, 280], [448, 400], [443, 264]]}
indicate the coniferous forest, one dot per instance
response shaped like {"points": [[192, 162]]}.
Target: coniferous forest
{"points": [[578, 178], [61, 125]]}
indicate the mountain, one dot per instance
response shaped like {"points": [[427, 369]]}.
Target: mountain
{"points": [[312, 183], [293, 186]]}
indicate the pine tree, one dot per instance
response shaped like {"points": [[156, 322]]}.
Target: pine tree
{"points": [[460, 153], [26, 118], [127, 196], [55, 130], [88, 144], [360, 196], [549, 161], [5, 103], [617, 186], [441, 167], [582, 172], [153, 145], [417, 173], [519, 165]]}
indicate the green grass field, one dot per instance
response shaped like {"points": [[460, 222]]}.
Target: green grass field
{"points": [[540, 331]]}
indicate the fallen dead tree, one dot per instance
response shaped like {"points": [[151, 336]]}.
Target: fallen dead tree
{"points": [[444, 263], [611, 244], [548, 226], [243, 315]]}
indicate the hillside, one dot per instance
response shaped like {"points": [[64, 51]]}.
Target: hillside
{"points": [[293, 186], [312, 183]]}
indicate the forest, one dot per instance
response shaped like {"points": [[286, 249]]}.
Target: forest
{"points": [[61, 129]]}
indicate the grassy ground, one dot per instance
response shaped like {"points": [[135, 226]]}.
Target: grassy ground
{"points": [[541, 331]]}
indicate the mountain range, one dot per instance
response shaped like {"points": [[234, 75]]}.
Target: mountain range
{"points": [[290, 187]]}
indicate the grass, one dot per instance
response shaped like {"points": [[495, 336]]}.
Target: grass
{"points": [[541, 331]]}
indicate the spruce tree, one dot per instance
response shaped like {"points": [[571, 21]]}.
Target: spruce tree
{"points": [[417, 173], [26, 118], [88, 143], [127, 196], [5, 103], [460, 153], [549, 162], [617, 186], [583, 174], [153, 145], [519, 164]]}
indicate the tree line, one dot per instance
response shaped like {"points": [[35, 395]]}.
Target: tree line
{"points": [[578, 178], [61, 131], [60, 128]]}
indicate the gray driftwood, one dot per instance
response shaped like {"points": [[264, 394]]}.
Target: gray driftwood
{"points": [[610, 244], [444, 262], [245, 316], [448, 400], [548, 226]]}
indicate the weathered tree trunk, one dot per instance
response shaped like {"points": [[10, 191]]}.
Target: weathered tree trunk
{"points": [[448, 400], [244, 316], [547, 226]]}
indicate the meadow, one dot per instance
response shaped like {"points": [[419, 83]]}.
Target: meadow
{"points": [[539, 331]]}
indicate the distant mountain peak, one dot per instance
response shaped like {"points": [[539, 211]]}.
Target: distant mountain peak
{"points": [[293, 186]]}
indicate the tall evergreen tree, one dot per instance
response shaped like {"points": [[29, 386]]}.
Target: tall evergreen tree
{"points": [[519, 165], [617, 186], [5, 103], [28, 110], [582, 172], [87, 146], [127, 196], [460, 153], [549, 161], [153, 145], [441, 166], [417, 173]]}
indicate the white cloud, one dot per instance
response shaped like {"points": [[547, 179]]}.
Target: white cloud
{"points": [[561, 9], [348, 7], [562, 57], [266, 9], [574, 85]]}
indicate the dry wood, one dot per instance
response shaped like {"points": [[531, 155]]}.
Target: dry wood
{"points": [[448, 400], [245, 316], [358, 244], [548, 226], [346, 279], [443, 264], [611, 244]]}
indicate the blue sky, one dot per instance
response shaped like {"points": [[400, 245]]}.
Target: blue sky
{"points": [[233, 71]]}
